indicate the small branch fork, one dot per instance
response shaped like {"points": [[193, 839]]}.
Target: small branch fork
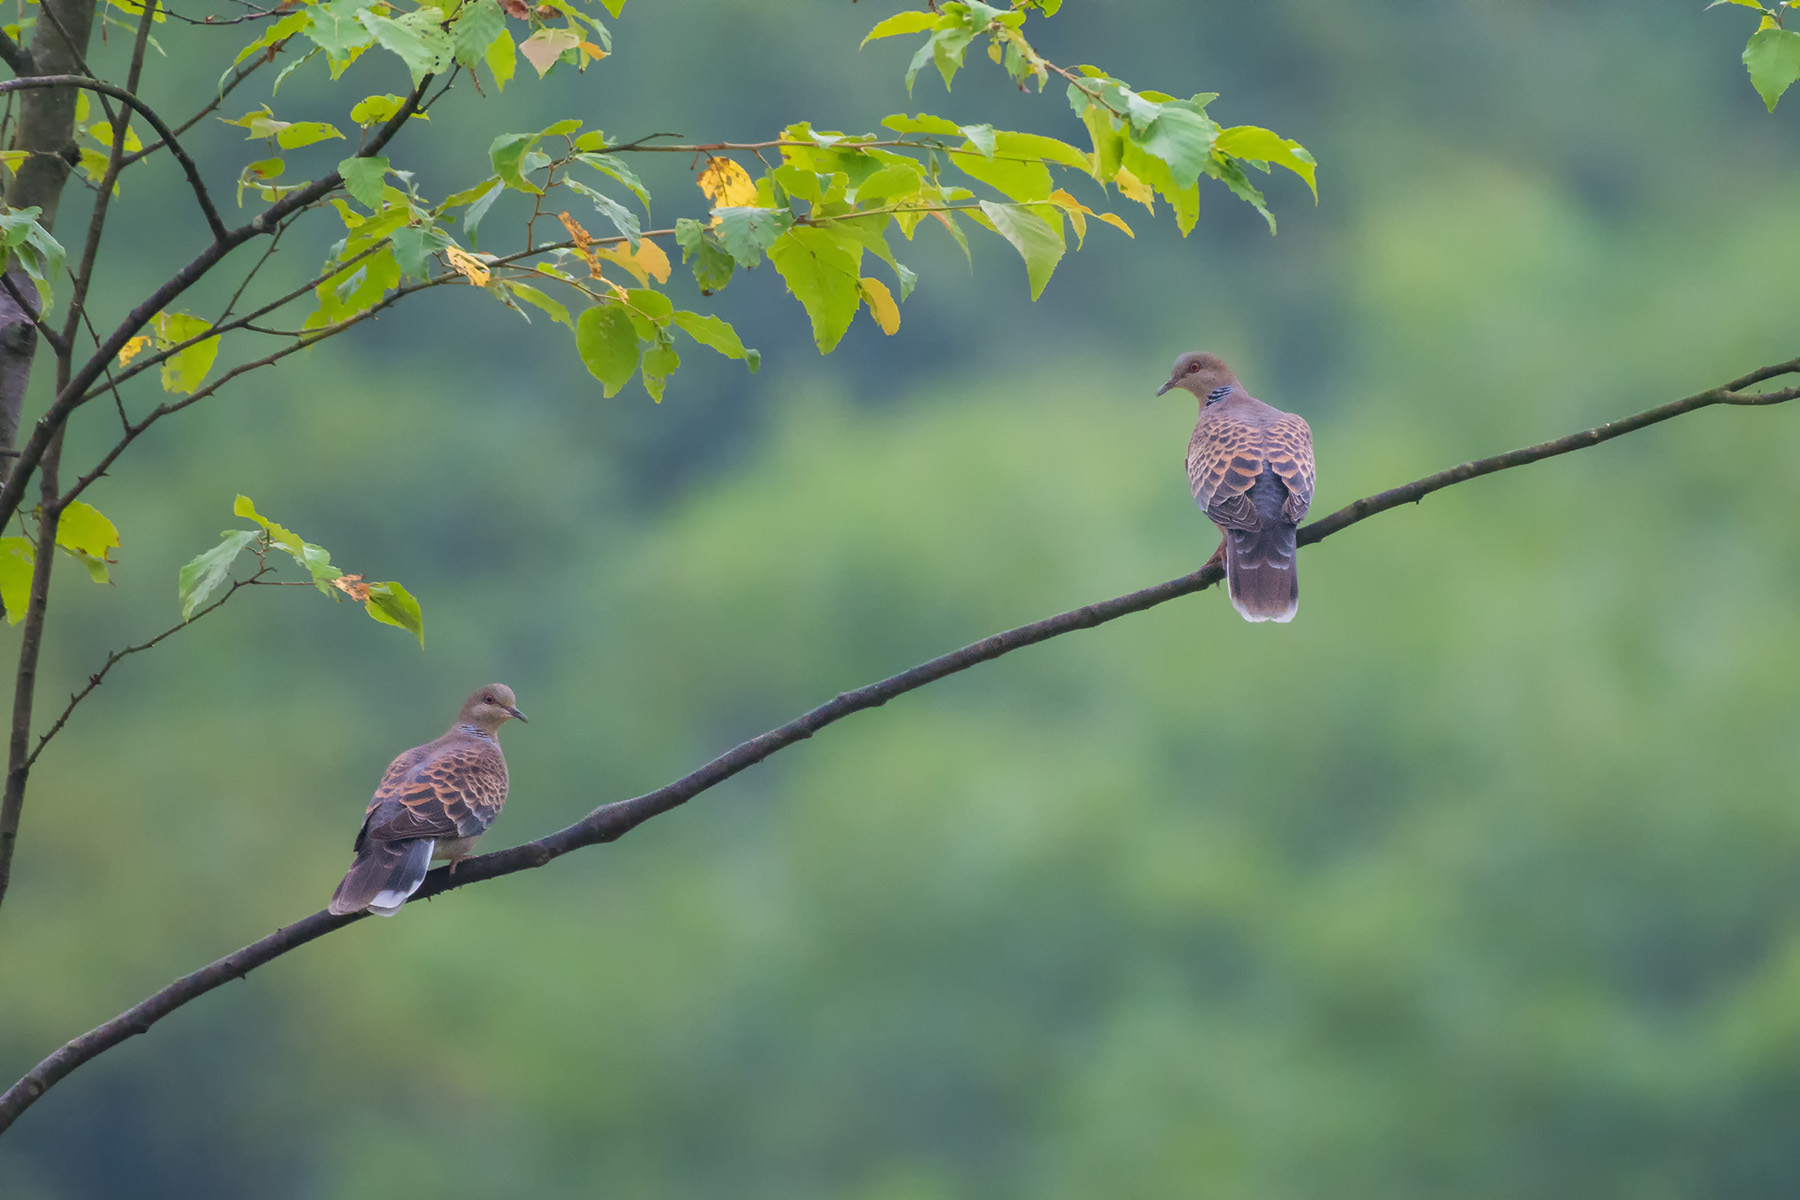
{"points": [[610, 822]]}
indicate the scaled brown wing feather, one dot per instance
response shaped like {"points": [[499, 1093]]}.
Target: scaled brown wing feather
{"points": [[1288, 448], [1223, 461], [456, 793]]}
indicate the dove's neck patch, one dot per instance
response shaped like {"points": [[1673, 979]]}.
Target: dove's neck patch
{"points": [[1219, 393]]}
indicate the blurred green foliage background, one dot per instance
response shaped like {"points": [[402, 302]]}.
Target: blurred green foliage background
{"points": [[1479, 880]]}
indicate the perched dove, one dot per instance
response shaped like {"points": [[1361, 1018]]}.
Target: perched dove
{"points": [[1251, 468], [435, 802]]}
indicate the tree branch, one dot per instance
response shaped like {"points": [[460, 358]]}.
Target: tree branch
{"points": [[125, 97], [115, 657], [15, 56], [73, 393], [610, 822]]}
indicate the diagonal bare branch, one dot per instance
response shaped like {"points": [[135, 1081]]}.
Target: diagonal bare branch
{"points": [[612, 821]]}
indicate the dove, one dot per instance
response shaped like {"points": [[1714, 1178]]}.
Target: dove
{"points": [[1251, 470], [434, 803]]}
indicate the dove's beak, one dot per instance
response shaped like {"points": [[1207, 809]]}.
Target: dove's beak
{"points": [[515, 712], [1165, 387]]}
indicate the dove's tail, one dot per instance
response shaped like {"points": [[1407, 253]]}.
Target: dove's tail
{"points": [[1259, 563], [383, 876]]}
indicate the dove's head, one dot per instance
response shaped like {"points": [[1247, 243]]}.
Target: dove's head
{"points": [[1201, 374], [490, 707]]}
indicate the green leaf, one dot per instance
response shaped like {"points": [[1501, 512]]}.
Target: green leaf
{"points": [[947, 48], [1263, 145], [203, 576], [608, 345], [1228, 172], [558, 311], [508, 154], [17, 558], [612, 165], [413, 247], [305, 133], [923, 123], [373, 110], [392, 604], [477, 24], [279, 535], [1038, 242], [620, 216], [660, 361], [747, 233], [901, 23], [479, 209], [1773, 59], [1181, 138], [1040, 146], [895, 179], [417, 37], [502, 58], [982, 138], [184, 371], [712, 267], [822, 275], [334, 28], [83, 528], [363, 179], [1020, 181], [713, 331]]}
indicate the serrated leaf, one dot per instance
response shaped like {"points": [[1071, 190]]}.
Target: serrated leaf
{"points": [[726, 184], [17, 558], [393, 605], [477, 24], [609, 164], [417, 37], [364, 179], [1038, 242], [1021, 181], [413, 247], [982, 138], [660, 361], [622, 218], [1263, 145], [184, 371], [923, 123], [334, 27], [543, 48], [507, 153], [1773, 59], [1182, 139], [205, 575], [747, 233], [822, 275], [608, 345]]}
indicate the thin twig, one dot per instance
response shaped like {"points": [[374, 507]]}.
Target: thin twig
{"points": [[213, 221], [610, 822], [117, 656]]}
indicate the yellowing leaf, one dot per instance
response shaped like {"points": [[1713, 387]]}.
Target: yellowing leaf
{"points": [[471, 267], [1119, 222], [583, 239], [649, 262], [352, 586], [726, 184], [1134, 188], [1078, 212], [183, 372], [11, 159], [17, 557], [590, 53], [130, 349], [881, 304], [544, 47]]}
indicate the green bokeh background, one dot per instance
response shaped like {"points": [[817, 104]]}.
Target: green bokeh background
{"points": [[1478, 880]]}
